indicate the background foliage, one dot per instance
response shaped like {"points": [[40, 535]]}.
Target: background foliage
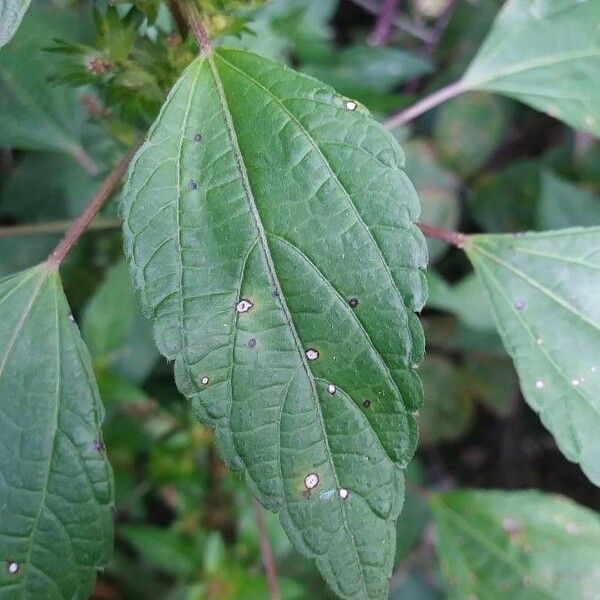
{"points": [[483, 163]]}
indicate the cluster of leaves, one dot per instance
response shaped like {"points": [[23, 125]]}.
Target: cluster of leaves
{"points": [[185, 525]]}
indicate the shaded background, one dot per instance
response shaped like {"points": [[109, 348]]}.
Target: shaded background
{"points": [[185, 524]]}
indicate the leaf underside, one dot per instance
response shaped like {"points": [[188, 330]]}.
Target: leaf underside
{"points": [[545, 53], [544, 290], [55, 481], [263, 187], [519, 545]]}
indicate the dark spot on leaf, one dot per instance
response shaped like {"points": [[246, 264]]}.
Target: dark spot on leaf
{"points": [[275, 293], [366, 403], [251, 342], [192, 185], [198, 137], [353, 302]]}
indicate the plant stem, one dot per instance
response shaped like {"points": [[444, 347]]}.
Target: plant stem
{"points": [[85, 160], [87, 216], [194, 18], [445, 235], [385, 21], [412, 112], [53, 227], [266, 552], [400, 22]]}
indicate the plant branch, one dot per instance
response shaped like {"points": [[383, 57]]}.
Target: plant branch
{"points": [[414, 111], [400, 22], [385, 21], [266, 552], [178, 17], [54, 227], [445, 235], [87, 216]]}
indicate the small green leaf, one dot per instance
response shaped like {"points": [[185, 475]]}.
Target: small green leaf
{"points": [[55, 481], [544, 290], [519, 545], [563, 204], [545, 53], [270, 229], [11, 15]]}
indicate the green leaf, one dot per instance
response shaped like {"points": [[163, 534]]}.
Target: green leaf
{"points": [[270, 229], [11, 15], [519, 545], [545, 53], [544, 290], [563, 204], [468, 130], [116, 332], [56, 484], [33, 114], [465, 299]]}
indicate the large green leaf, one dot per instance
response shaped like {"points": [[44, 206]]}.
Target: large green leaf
{"points": [[545, 53], [56, 486], [269, 225], [11, 14], [519, 545], [544, 290]]}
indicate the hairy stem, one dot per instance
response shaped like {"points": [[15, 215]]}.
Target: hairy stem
{"points": [[194, 18], [445, 235], [54, 227], [266, 552], [87, 216], [385, 22], [412, 112]]}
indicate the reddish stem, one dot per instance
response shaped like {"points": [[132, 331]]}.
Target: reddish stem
{"points": [[266, 553], [445, 235], [385, 21], [87, 216], [85, 160]]}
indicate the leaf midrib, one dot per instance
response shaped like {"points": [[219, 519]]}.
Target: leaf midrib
{"points": [[275, 282]]}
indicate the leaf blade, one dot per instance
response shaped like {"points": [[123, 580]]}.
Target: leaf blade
{"points": [[520, 544], [249, 156], [541, 288], [545, 54], [56, 521]]}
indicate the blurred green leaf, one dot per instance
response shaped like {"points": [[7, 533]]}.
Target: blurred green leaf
{"points": [[164, 548], [33, 114], [466, 300], [118, 336], [545, 53], [563, 204], [519, 545], [437, 188], [507, 201], [11, 14], [544, 290], [357, 69], [448, 412], [468, 130]]}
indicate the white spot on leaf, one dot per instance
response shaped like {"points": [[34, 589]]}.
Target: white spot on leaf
{"points": [[13, 568], [351, 105], [539, 384], [311, 481], [331, 389], [312, 354], [204, 380], [343, 493], [243, 306]]}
